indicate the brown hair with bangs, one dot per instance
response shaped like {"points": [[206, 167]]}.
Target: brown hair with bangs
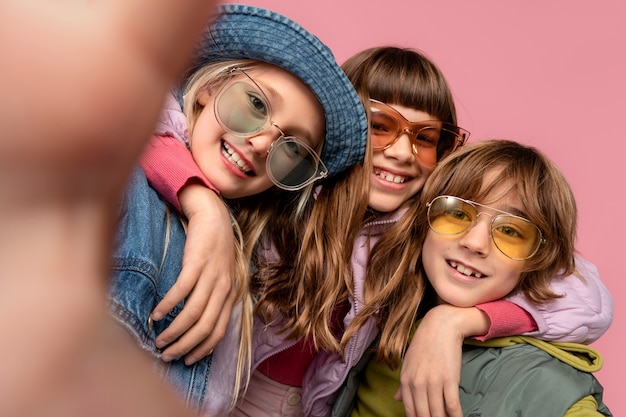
{"points": [[311, 280], [402, 76]]}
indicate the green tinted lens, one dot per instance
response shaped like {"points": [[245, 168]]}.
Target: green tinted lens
{"points": [[242, 109], [291, 164]]}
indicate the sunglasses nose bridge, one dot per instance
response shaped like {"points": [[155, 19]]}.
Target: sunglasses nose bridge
{"points": [[281, 134], [490, 221], [473, 236], [263, 141], [412, 135], [398, 146]]}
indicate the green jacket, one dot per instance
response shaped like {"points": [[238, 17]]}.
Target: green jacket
{"points": [[513, 376]]}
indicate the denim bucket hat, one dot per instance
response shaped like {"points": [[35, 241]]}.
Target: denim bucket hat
{"points": [[248, 32]]}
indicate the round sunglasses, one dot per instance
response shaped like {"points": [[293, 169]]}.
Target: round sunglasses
{"points": [[243, 110]]}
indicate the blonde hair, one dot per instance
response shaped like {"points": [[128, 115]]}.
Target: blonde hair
{"points": [[211, 78], [548, 201], [257, 219]]}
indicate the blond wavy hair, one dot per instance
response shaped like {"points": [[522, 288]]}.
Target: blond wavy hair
{"points": [[259, 219]]}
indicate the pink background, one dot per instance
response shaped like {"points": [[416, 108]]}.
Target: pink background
{"points": [[546, 73]]}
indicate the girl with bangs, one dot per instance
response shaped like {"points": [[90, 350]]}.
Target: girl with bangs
{"points": [[496, 218], [342, 279]]}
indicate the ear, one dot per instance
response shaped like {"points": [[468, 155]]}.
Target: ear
{"points": [[203, 97]]}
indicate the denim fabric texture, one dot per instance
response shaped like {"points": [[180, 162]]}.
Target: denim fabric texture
{"points": [[146, 264], [242, 31]]}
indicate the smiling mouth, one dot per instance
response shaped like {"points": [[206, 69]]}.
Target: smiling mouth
{"points": [[389, 177], [465, 270], [236, 159]]}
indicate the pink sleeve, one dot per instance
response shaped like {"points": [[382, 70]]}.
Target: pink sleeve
{"points": [[507, 319], [169, 166]]}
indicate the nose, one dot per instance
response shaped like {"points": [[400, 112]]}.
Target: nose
{"points": [[478, 237], [402, 149], [261, 143]]}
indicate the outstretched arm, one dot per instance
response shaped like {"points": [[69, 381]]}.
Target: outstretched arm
{"points": [[81, 90]]}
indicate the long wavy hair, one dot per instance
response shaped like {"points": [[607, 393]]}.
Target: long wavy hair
{"points": [[311, 280], [255, 218], [408, 78]]}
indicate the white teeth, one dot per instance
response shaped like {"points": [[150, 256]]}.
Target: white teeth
{"points": [[397, 179], [234, 157], [464, 270]]}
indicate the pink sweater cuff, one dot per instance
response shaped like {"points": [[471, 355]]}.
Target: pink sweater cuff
{"points": [[507, 319], [169, 166]]}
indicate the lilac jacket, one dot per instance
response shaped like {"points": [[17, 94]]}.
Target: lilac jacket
{"points": [[582, 316]]}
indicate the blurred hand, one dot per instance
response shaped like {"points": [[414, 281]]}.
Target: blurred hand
{"points": [[82, 84]]}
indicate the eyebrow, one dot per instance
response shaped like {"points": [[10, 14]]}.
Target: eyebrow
{"points": [[512, 210], [270, 92]]}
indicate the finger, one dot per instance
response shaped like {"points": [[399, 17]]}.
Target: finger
{"points": [[452, 400], [193, 310], [421, 392], [164, 29], [206, 347], [203, 305], [410, 405], [398, 395], [185, 283], [207, 332], [435, 402]]}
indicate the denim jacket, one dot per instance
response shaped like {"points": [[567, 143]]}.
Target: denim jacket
{"points": [[147, 262]]}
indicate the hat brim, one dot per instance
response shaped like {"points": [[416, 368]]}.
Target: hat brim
{"points": [[248, 32]]}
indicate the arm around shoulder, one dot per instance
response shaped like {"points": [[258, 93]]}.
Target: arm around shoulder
{"points": [[169, 167]]}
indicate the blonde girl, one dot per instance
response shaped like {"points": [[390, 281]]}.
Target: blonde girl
{"points": [[263, 126]]}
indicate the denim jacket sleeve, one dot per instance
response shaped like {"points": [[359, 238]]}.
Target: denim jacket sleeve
{"points": [[582, 315]]}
